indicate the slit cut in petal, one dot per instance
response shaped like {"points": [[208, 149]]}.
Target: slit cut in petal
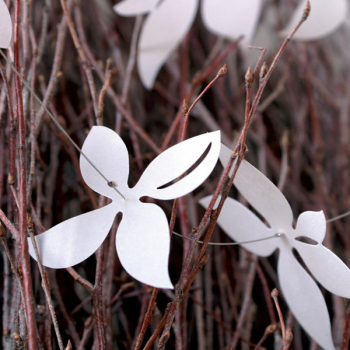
{"points": [[174, 162], [312, 224]]}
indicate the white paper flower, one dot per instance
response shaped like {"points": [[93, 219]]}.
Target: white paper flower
{"points": [[300, 291], [170, 20], [325, 17], [5, 26], [143, 239]]}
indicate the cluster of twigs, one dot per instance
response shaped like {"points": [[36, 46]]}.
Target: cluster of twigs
{"points": [[80, 59]]}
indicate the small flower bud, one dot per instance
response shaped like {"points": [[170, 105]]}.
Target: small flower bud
{"points": [[274, 293], [263, 71], [69, 346], [289, 336], [16, 336], [222, 71], [270, 329], [307, 10], [10, 180], [184, 108], [19, 268], [30, 224], [88, 322], [249, 76]]}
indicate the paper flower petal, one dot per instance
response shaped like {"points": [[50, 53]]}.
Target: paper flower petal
{"points": [[134, 7], [312, 224], [74, 240], [162, 32], [325, 17], [174, 162], [107, 151], [143, 244], [241, 225], [261, 193], [326, 267], [305, 299], [232, 18], [5, 26]]}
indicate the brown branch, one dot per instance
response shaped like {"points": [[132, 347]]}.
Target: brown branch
{"points": [[83, 58], [22, 156]]}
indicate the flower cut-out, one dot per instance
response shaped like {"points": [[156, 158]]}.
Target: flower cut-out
{"points": [[5, 26], [300, 290], [169, 21], [143, 240]]}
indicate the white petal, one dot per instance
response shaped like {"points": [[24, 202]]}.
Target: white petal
{"points": [[304, 299], [163, 31], [5, 26], [325, 17], [232, 18], [107, 151], [74, 240], [134, 7], [311, 224], [261, 193], [143, 244], [326, 267], [174, 162], [242, 225]]}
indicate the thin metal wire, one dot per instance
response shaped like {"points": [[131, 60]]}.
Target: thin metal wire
{"points": [[112, 184], [277, 235], [339, 217]]}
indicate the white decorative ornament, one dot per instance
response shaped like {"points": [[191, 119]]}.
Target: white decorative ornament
{"points": [[232, 18], [143, 240], [169, 21], [5, 26], [300, 291], [325, 17]]}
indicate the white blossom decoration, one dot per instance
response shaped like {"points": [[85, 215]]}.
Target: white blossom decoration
{"points": [[170, 20], [300, 291], [143, 240]]}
